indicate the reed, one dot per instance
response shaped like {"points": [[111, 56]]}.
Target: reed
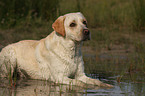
{"points": [[139, 7], [120, 13]]}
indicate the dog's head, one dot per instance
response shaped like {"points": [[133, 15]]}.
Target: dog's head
{"points": [[72, 26]]}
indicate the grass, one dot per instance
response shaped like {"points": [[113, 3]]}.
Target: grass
{"points": [[14, 12], [139, 7], [122, 13]]}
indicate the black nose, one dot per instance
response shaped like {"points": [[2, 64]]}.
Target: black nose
{"points": [[86, 32]]}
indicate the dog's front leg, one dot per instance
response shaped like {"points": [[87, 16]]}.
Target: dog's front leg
{"points": [[89, 80], [80, 75], [68, 81]]}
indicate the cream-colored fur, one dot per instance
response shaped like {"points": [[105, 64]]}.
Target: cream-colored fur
{"points": [[57, 57]]}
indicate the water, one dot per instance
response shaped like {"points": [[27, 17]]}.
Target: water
{"points": [[125, 83], [43, 88]]}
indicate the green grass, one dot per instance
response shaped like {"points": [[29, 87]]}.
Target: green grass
{"points": [[139, 7], [14, 12], [121, 13]]}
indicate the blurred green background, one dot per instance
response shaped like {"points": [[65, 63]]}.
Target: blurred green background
{"points": [[99, 13]]}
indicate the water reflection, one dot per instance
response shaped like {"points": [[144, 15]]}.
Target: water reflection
{"points": [[39, 88], [45, 88]]}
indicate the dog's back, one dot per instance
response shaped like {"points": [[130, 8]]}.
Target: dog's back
{"points": [[12, 54]]}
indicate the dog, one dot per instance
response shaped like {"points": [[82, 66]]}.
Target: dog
{"points": [[57, 57]]}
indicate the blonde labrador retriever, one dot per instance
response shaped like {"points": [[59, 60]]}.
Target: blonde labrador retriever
{"points": [[57, 57]]}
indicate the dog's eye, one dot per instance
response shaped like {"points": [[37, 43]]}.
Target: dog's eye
{"points": [[85, 22], [73, 24]]}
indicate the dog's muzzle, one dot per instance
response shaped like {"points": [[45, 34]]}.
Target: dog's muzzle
{"points": [[86, 34]]}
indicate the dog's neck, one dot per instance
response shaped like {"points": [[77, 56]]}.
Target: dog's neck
{"points": [[71, 45], [66, 45]]}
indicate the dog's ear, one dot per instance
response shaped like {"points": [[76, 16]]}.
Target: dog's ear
{"points": [[58, 25]]}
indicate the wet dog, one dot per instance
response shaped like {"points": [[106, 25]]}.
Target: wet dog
{"points": [[57, 57]]}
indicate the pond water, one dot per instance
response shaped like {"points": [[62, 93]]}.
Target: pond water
{"points": [[125, 83], [43, 88]]}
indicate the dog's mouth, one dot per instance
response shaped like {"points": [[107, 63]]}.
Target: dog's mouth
{"points": [[86, 38]]}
